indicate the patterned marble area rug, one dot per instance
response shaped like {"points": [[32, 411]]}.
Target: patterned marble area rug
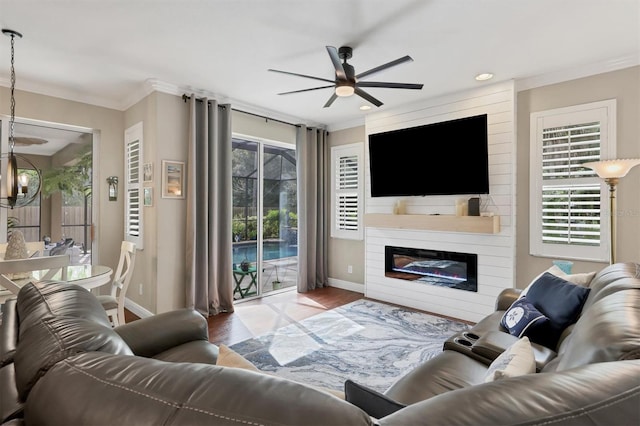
{"points": [[369, 342]]}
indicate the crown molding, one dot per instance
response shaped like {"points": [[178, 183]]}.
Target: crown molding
{"points": [[62, 93], [577, 72]]}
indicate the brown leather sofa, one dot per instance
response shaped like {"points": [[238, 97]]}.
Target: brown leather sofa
{"points": [[62, 363]]}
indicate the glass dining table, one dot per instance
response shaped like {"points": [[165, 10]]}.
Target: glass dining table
{"points": [[87, 276]]}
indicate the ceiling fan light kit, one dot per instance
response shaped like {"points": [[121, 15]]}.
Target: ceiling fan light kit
{"points": [[347, 82]]}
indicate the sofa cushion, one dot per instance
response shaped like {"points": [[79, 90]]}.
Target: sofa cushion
{"points": [[102, 389], [55, 338], [372, 402], [560, 300], [523, 319], [516, 360], [613, 278], [36, 301], [58, 320], [608, 331]]}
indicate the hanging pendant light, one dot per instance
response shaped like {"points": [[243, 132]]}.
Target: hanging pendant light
{"points": [[18, 193]]}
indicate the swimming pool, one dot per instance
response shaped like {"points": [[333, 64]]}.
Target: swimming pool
{"points": [[270, 250]]}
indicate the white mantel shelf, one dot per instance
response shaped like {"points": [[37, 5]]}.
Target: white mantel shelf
{"points": [[451, 223]]}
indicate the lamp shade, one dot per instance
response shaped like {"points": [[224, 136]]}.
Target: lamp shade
{"points": [[608, 169]]}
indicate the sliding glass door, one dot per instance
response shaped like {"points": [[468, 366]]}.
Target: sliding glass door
{"points": [[264, 217]]}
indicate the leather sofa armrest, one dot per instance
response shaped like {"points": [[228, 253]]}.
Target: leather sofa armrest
{"points": [[506, 298], [492, 344], [150, 336]]}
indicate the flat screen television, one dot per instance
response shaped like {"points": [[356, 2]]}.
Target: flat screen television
{"points": [[443, 158]]}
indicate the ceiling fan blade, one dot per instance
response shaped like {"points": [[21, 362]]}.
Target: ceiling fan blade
{"points": [[305, 90], [335, 58], [302, 75], [389, 85], [368, 97], [385, 66], [330, 101]]}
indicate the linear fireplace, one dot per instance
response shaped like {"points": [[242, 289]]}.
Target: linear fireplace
{"points": [[434, 267]]}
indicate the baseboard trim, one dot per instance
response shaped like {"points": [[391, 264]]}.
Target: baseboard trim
{"points": [[346, 285], [137, 309]]}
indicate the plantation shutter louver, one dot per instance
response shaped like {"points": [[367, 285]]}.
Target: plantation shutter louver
{"points": [[133, 185], [570, 208], [347, 193], [347, 176], [568, 218]]}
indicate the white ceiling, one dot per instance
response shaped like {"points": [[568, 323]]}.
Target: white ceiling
{"points": [[103, 52]]}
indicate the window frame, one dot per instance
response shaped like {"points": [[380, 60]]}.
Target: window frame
{"points": [[605, 113], [132, 188], [355, 150]]}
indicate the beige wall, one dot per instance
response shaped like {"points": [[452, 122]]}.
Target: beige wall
{"points": [[108, 155], [160, 266], [624, 86], [144, 273], [343, 253]]}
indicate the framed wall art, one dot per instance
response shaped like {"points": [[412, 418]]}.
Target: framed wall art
{"points": [[148, 197], [172, 179], [147, 172]]}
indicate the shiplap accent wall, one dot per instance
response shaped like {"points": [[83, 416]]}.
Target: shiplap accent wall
{"points": [[496, 252]]}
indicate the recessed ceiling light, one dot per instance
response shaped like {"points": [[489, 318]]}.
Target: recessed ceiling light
{"points": [[484, 76], [365, 107]]}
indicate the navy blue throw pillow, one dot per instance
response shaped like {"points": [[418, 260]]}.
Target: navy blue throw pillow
{"points": [[560, 300], [523, 319]]}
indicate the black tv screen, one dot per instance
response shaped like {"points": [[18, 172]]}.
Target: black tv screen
{"points": [[443, 158]]}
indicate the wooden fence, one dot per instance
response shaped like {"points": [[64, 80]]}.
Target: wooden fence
{"points": [[72, 223]]}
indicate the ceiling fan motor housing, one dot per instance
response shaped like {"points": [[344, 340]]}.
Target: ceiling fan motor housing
{"points": [[345, 52]]}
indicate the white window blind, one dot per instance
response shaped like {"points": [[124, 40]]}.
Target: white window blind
{"points": [[567, 219], [133, 185], [570, 207], [346, 163]]}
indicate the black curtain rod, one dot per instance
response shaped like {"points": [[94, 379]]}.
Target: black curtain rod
{"points": [[186, 97]]}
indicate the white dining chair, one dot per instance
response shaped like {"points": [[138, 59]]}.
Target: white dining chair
{"points": [[16, 266], [113, 303]]}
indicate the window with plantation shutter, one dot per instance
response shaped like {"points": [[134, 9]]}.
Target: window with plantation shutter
{"points": [[346, 171], [569, 215], [133, 185]]}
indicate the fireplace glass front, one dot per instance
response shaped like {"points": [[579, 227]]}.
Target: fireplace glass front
{"points": [[433, 267]]}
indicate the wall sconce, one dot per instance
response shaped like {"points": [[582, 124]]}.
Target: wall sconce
{"points": [[113, 188]]}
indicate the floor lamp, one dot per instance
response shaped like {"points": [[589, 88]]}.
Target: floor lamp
{"points": [[611, 171]]}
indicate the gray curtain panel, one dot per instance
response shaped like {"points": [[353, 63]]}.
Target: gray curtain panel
{"points": [[312, 154], [209, 283]]}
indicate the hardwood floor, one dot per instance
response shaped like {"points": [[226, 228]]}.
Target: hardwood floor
{"points": [[255, 317]]}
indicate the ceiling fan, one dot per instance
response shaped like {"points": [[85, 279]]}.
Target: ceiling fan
{"points": [[347, 82]]}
